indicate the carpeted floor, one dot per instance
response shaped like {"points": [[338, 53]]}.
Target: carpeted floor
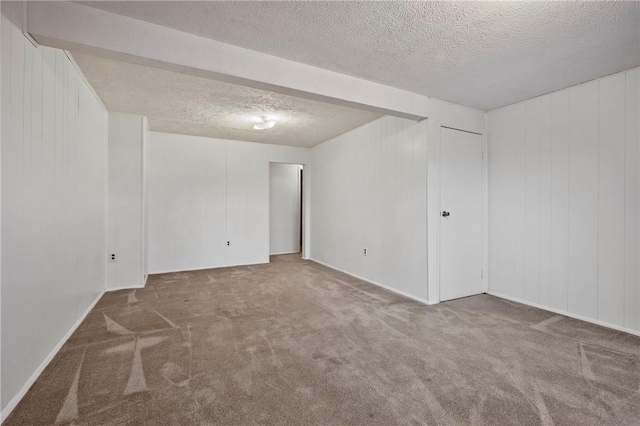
{"points": [[294, 342]]}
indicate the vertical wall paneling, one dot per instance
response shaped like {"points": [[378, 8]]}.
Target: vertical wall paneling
{"points": [[187, 203], [611, 190], [369, 191], [204, 192], [433, 209], [376, 187], [560, 159], [3, 137], [579, 206], [506, 200], [545, 198], [533, 122], [53, 203], [583, 201], [520, 163], [145, 199], [36, 175], [632, 201], [418, 197]]}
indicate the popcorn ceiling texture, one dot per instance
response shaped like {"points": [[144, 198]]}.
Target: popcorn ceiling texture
{"points": [[480, 54], [184, 104]]}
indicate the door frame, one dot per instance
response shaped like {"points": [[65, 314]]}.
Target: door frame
{"points": [[305, 202], [434, 208]]}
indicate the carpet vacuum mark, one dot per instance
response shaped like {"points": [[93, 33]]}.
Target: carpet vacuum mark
{"points": [[293, 342]]}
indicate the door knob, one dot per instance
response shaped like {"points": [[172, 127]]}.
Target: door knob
{"points": [[445, 214]]}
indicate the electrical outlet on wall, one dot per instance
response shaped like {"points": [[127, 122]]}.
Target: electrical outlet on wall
{"points": [[364, 251], [112, 257]]}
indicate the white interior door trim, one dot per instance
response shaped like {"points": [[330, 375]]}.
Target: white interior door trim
{"points": [[304, 224], [306, 204]]}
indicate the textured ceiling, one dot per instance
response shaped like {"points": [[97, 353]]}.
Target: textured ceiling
{"points": [[180, 103], [480, 54]]}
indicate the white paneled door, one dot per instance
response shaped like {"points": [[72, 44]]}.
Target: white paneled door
{"points": [[461, 216]]}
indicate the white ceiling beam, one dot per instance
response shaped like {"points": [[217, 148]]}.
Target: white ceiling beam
{"points": [[84, 29]]}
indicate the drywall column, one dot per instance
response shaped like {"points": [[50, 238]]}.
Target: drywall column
{"points": [[284, 208], [127, 201]]}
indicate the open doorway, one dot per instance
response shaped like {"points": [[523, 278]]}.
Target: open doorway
{"points": [[285, 208]]}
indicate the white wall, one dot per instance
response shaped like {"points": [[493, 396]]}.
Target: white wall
{"points": [[54, 180], [187, 203], [127, 200], [377, 187], [146, 133], [564, 201], [284, 208], [369, 191], [204, 192]]}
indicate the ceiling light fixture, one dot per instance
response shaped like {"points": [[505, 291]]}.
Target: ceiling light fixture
{"points": [[265, 124]]}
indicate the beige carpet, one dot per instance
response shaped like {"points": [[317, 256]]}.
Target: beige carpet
{"points": [[294, 342]]}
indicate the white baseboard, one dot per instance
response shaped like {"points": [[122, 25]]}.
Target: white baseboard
{"points": [[18, 397], [204, 268], [175, 271], [285, 252], [134, 287], [566, 314], [386, 287]]}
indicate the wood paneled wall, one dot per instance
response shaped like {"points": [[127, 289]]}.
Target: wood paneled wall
{"points": [[564, 201], [369, 190], [204, 192], [54, 177]]}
